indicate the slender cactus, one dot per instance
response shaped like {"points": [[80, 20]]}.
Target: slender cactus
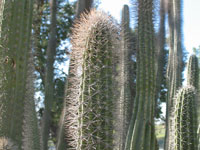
{"points": [[185, 120], [90, 97], [141, 126], [193, 72], [125, 106], [15, 40], [175, 61], [31, 137]]}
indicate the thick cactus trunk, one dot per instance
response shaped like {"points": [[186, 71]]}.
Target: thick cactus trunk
{"points": [[141, 126], [15, 40], [184, 122], [90, 97]]}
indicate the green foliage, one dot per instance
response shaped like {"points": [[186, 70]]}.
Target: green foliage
{"points": [[185, 120], [90, 97]]}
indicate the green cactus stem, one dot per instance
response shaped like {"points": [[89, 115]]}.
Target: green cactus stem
{"points": [[15, 41], [193, 72], [140, 129], [90, 97], [184, 120]]}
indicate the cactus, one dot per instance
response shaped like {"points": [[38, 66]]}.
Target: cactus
{"points": [[140, 129], [83, 6], [31, 137], [126, 103], [15, 40], [90, 97], [184, 120], [193, 72], [2, 2], [175, 60]]}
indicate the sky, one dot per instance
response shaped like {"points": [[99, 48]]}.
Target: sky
{"points": [[191, 19]]}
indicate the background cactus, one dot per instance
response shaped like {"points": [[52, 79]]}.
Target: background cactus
{"points": [[126, 100], [83, 6], [90, 97], [15, 41], [31, 136], [175, 60], [185, 120], [141, 126], [193, 72]]}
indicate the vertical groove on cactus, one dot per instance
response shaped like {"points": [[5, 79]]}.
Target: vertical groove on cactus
{"points": [[184, 122], [15, 36], [140, 128], [90, 97]]}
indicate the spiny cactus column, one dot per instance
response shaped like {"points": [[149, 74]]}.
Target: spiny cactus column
{"points": [[15, 40], [184, 120], [140, 130], [193, 72], [126, 103], [31, 137], [175, 61], [91, 98]]}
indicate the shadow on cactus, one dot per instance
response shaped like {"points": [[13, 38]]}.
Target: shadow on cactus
{"points": [[90, 99]]}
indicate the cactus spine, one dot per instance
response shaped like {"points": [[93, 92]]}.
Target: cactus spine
{"points": [[140, 129], [185, 121], [90, 97], [15, 40]]}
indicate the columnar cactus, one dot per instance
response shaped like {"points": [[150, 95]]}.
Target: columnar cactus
{"points": [[141, 126], [31, 137], [193, 72], [175, 60], [184, 120], [126, 101], [90, 99], [15, 41]]}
